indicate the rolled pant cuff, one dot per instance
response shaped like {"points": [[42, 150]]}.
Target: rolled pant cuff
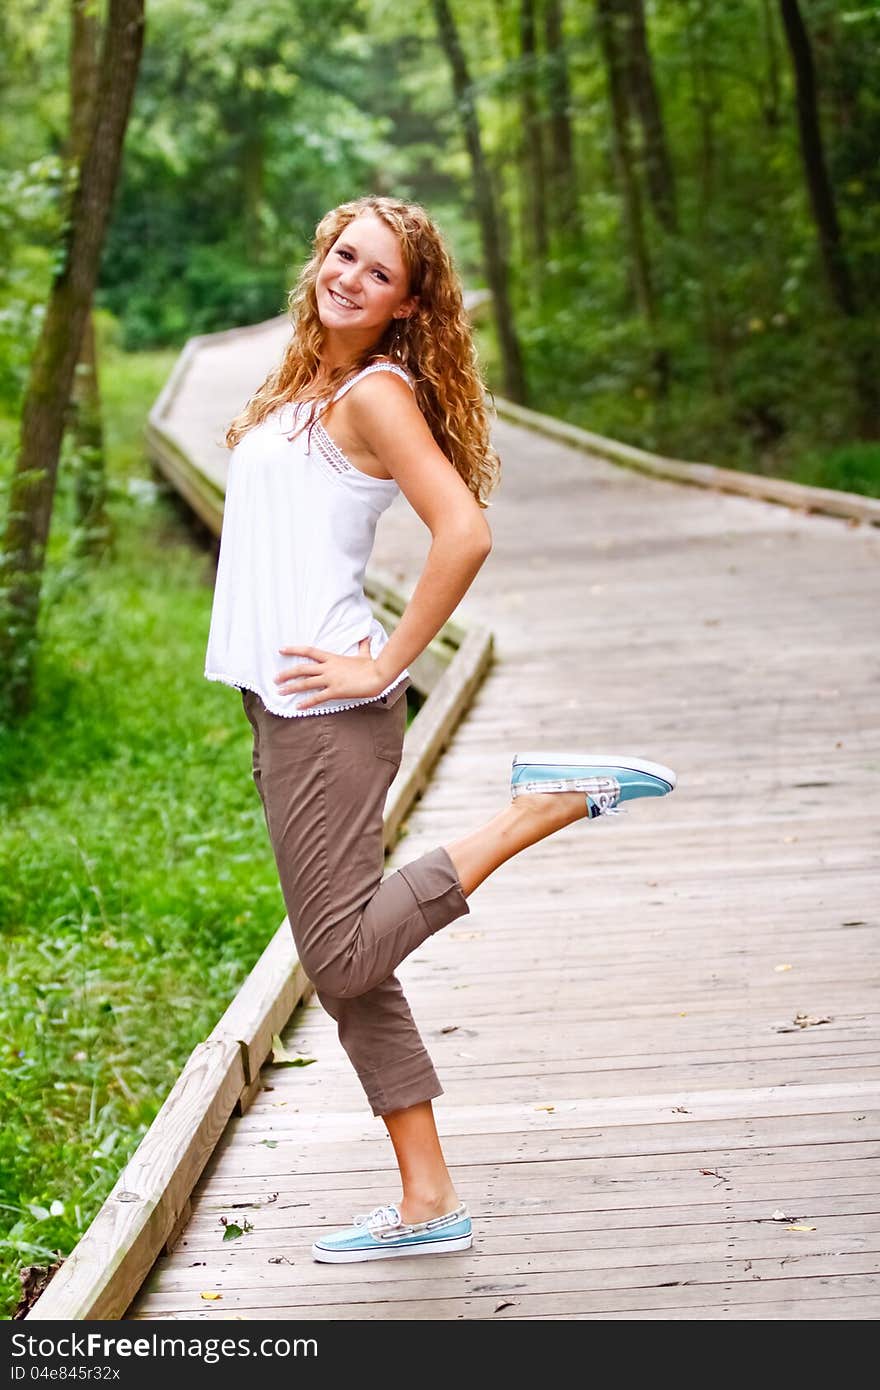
{"points": [[415, 1081], [436, 888]]}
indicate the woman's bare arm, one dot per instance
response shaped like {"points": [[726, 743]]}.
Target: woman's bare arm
{"points": [[387, 420]]}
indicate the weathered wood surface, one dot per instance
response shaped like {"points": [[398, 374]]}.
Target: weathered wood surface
{"points": [[628, 1099]]}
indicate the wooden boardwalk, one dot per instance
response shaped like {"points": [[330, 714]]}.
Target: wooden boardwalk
{"points": [[658, 1033]]}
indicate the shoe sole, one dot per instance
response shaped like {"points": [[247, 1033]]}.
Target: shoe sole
{"points": [[434, 1247], [561, 758]]}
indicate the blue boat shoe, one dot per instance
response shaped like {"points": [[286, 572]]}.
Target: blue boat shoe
{"points": [[605, 779], [381, 1234]]}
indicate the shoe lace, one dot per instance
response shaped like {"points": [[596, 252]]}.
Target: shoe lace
{"points": [[604, 796], [379, 1217]]}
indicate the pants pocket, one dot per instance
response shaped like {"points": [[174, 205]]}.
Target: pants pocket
{"points": [[388, 724]]}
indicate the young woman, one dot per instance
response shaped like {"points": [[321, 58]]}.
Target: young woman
{"points": [[378, 392]]}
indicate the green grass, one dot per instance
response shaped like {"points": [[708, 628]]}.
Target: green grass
{"points": [[137, 887]]}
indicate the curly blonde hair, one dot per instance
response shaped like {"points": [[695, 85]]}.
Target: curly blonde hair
{"points": [[434, 344]]}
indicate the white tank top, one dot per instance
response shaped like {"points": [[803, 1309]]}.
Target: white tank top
{"points": [[299, 523]]}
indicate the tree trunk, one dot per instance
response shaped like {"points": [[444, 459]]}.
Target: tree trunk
{"points": [[706, 101], [534, 202], [607, 12], [92, 533], [831, 249], [32, 487], [643, 90], [496, 272], [815, 166], [564, 203]]}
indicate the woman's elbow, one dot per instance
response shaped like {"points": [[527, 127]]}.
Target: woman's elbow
{"points": [[471, 537], [482, 537]]}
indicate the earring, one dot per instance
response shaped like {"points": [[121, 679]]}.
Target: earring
{"points": [[397, 339]]}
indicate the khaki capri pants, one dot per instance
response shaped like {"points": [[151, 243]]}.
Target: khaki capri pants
{"points": [[323, 780]]}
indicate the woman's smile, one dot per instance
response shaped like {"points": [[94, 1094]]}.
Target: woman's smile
{"points": [[342, 300]]}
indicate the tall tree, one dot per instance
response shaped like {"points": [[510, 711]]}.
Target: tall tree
{"points": [[646, 104], [32, 488], [90, 492], [705, 100], [512, 372], [534, 203], [564, 174], [822, 202], [610, 29], [815, 165]]}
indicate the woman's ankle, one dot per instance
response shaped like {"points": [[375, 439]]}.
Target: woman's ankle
{"points": [[425, 1204]]}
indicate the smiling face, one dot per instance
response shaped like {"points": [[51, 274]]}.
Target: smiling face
{"points": [[362, 285]]}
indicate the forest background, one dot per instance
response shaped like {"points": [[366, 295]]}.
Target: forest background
{"points": [[677, 209]]}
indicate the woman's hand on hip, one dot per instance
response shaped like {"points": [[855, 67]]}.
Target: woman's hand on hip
{"points": [[330, 676]]}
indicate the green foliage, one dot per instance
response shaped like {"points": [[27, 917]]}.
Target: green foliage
{"points": [[251, 120], [137, 888]]}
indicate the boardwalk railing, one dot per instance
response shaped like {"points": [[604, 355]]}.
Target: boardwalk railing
{"points": [[799, 496]]}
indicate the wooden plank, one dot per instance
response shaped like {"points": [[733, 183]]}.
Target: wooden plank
{"points": [[502, 1236], [428, 1299]]}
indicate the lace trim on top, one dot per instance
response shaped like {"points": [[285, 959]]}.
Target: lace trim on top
{"points": [[329, 450], [334, 457], [238, 684]]}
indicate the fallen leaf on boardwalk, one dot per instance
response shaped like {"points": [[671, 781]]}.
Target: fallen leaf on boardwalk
{"points": [[282, 1058], [800, 1228], [450, 1028], [231, 1231], [508, 1303], [711, 1173], [465, 935], [280, 1260], [802, 1021], [679, 1110], [779, 968], [683, 1015], [210, 1297], [270, 1143], [545, 1107]]}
